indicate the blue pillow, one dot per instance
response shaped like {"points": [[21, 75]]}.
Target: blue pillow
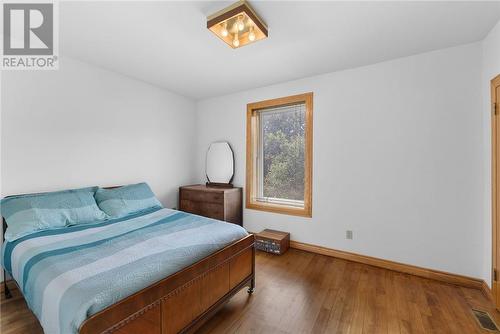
{"points": [[122, 201], [25, 214]]}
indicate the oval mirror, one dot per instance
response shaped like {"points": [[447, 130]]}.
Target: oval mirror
{"points": [[220, 163]]}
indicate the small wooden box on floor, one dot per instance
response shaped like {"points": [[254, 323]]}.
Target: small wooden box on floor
{"points": [[272, 241], [212, 202]]}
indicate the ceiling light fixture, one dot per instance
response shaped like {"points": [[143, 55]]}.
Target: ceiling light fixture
{"points": [[223, 30], [240, 23], [251, 35], [236, 41], [237, 25]]}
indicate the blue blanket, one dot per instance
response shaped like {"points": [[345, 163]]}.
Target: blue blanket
{"points": [[69, 274]]}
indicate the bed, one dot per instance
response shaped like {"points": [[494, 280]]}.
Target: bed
{"points": [[159, 271]]}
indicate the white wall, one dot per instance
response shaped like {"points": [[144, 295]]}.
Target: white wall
{"points": [[82, 125], [401, 153], [397, 158], [491, 68]]}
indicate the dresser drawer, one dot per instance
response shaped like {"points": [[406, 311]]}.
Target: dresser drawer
{"points": [[211, 210], [218, 203], [198, 196]]}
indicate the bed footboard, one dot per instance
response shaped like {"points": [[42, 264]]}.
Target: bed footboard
{"points": [[182, 302]]}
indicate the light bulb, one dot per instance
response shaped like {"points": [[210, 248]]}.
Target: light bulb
{"points": [[224, 31], [251, 35], [236, 41], [240, 24]]}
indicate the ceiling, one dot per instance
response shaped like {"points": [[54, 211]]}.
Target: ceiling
{"points": [[167, 43]]}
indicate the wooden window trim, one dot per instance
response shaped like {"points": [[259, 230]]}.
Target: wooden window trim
{"points": [[495, 283], [252, 142]]}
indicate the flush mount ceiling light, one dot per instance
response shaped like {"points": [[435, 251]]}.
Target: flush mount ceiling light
{"points": [[237, 25]]}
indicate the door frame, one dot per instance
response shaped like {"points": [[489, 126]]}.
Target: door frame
{"points": [[495, 114]]}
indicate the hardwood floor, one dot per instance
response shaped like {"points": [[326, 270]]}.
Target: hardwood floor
{"points": [[301, 292]]}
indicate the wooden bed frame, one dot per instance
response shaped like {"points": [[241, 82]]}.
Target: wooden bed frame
{"points": [[181, 302]]}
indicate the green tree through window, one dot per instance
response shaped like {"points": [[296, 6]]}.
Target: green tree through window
{"points": [[283, 136]]}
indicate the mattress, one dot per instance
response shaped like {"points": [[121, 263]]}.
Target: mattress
{"points": [[66, 275]]}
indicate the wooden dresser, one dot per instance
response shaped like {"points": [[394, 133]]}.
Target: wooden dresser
{"points": [[213, 202]]}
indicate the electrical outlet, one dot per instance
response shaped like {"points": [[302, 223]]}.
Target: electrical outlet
{"points": [[348, 234]]}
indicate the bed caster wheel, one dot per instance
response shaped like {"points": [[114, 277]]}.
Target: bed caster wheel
{"points": [[251, 288], [6, 290]]}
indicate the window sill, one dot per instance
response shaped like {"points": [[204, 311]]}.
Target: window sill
{"points": [[280, 202], [280, 208]]}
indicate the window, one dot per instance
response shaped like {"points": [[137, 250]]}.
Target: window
{"points": [[279, 155]]}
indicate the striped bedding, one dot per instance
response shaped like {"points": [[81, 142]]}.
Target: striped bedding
{"points": [[69, 274]]}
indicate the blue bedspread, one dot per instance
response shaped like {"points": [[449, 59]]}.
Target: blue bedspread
{"points": [[69, 274]]}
